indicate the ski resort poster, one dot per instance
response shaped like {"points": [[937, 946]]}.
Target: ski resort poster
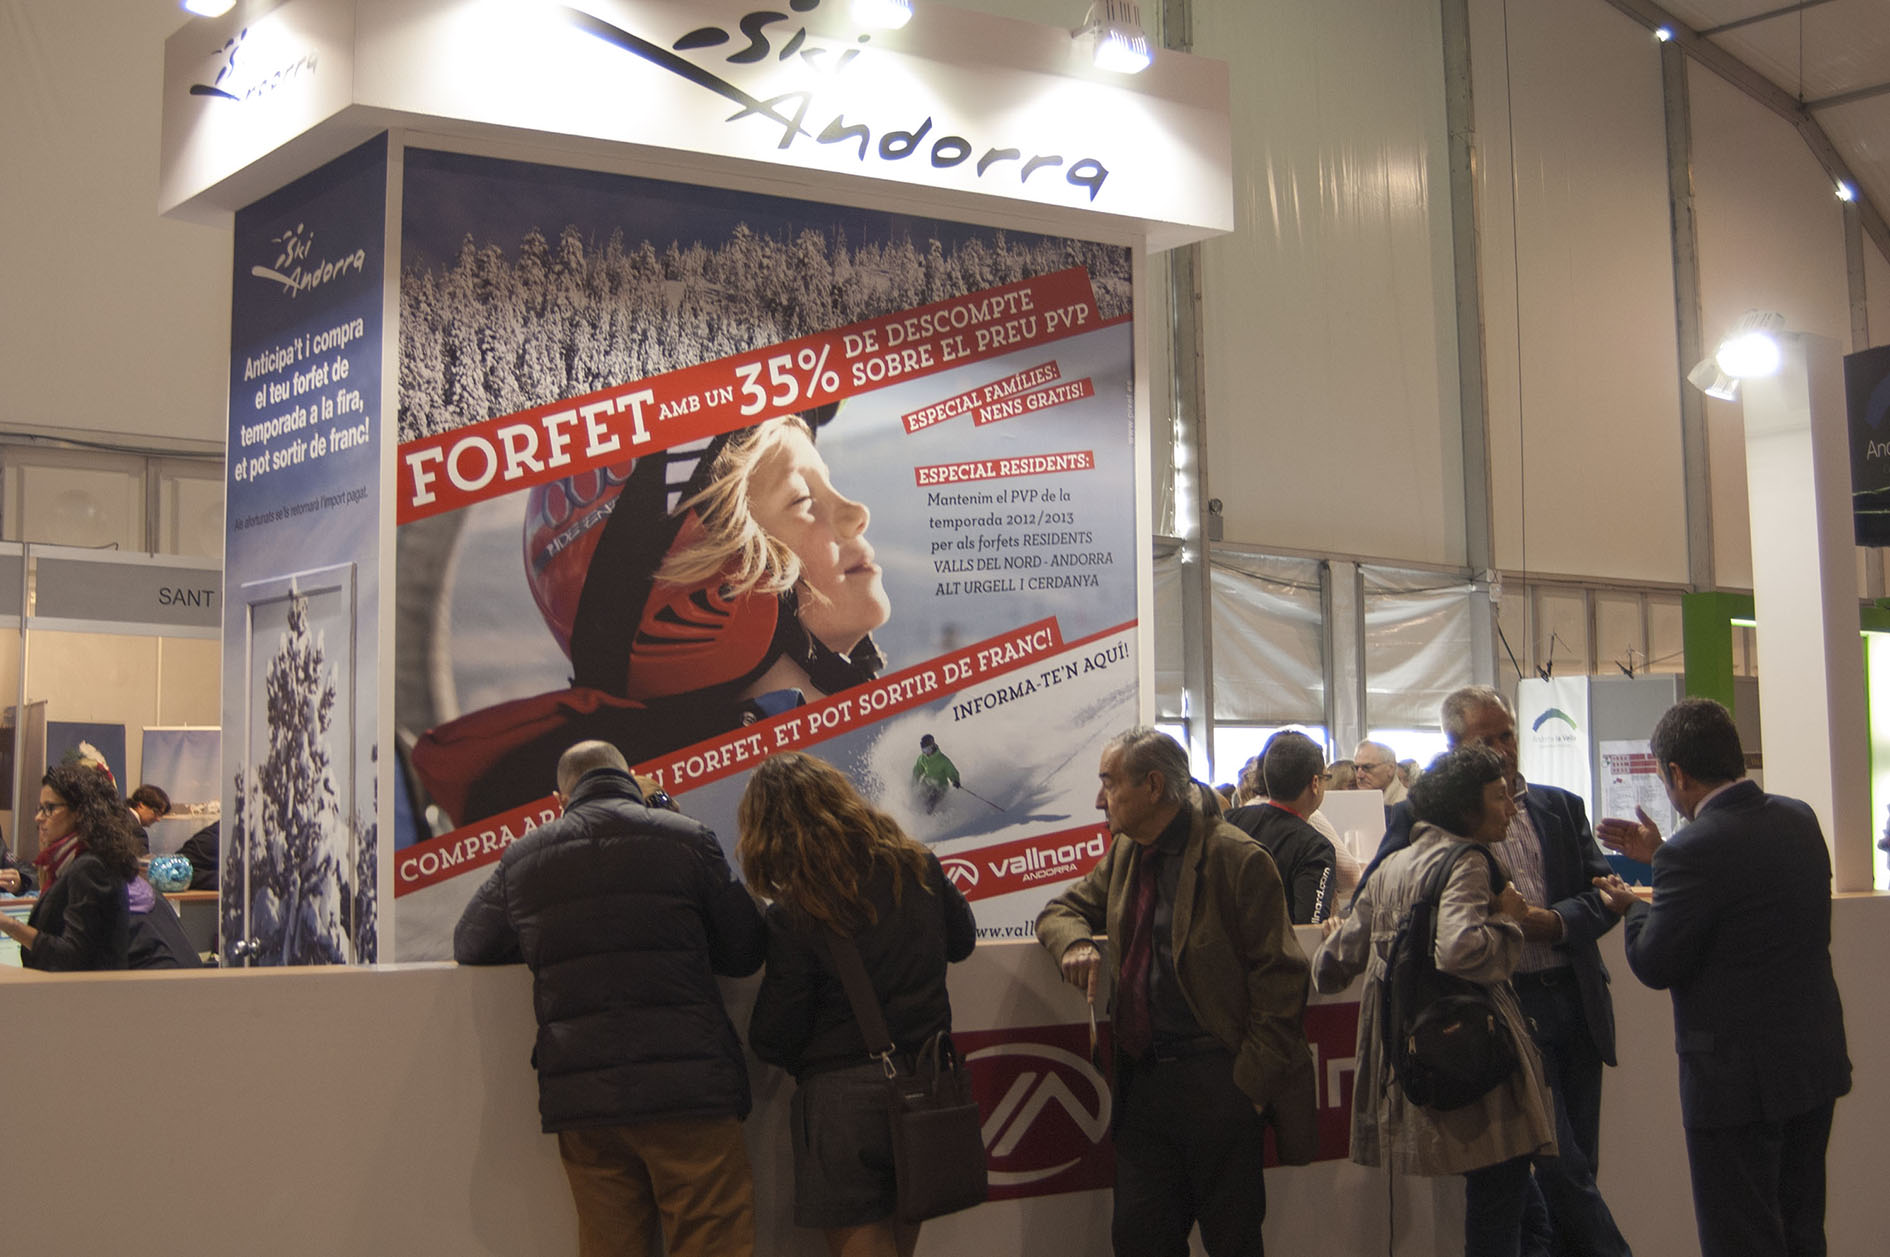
{"points": [[300, 678], [714, 475]]}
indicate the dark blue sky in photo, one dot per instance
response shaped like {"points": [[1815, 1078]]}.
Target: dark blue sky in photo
{"points": [[448, 195]]}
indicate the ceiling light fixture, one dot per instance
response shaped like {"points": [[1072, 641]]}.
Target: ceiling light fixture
{"points": [[209, 8], [1845, 192], [887, 15], [1663, 34], [1113, 29]]}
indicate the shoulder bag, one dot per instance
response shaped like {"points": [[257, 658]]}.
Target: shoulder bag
{"points": [[937, 1136], [1444, 1037]]}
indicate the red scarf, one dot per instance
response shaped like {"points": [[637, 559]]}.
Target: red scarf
{"points": [[53, 860]]}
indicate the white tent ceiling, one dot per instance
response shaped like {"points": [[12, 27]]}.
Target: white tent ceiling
{"points": [[1830, 56]]}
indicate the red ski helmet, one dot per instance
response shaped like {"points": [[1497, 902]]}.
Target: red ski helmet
{"points": [[563, 524], [593, 544]]}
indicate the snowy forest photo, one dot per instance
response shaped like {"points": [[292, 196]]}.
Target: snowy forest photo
{"points": [[494, 332], [308, 866]]}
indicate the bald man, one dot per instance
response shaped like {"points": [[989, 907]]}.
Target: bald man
{"points": [[626, 913]]}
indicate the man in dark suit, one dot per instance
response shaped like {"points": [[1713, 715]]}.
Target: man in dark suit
{"points": [[1740, 933], [1551, 857]]}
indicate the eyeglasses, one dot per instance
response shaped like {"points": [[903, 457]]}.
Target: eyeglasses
{"points": [[47, 809]]}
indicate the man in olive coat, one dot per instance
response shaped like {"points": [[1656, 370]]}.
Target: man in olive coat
{"points": [[1210, 986]]}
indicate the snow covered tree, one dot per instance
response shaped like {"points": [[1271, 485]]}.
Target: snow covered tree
{"points": [[296, 884]]}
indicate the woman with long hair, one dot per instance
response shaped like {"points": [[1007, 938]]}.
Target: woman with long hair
{"points": [[88, 861], [835, 865], [1463, 797]]}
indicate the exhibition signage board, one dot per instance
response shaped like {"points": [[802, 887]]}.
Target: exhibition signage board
{"points": [[1867, 397], [301, 558], [1553, 735], [613, 390], [136, 593], [964, 108]]}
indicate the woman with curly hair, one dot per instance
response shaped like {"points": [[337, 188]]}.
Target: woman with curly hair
{"points": [[833, 864], [88, 861]]}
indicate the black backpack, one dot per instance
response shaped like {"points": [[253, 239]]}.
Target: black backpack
{"points": [[1444, 1037]]}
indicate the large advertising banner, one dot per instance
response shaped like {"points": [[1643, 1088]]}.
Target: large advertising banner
{"points": [[714, 475], [301, 560]]}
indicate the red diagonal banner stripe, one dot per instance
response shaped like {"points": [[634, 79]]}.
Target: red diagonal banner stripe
{"points": [[473, 846], [451, 470]]}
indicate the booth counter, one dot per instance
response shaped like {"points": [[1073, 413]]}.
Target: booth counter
{"points": [[349, 1110]]}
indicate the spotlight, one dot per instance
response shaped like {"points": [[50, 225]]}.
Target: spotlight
{"points": [[1663, 34], [1845, 192], [209, 8], [886, 14], [1709, 379], [1113, 28], [1749, 350]]}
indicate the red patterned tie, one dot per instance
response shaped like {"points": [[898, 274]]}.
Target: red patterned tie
{"points": [[1134, 1031]]}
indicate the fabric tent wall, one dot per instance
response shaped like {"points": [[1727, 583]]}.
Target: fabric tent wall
{"points": [[1417, 645], [1329, 345], [112, 284], [1577, 293], [1772, 238], [1269, 641]]}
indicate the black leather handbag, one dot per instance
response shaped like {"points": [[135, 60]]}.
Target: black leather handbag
{"points": [[1444, 1036], [937, 1131]]}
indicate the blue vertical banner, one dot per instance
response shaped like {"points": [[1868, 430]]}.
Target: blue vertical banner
{"points": [[300, 568], [1867, 394]]}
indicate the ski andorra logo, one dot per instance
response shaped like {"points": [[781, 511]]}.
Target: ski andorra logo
{"points": [[297, 270], [238, 79], [713, 58], [1554, 713]]}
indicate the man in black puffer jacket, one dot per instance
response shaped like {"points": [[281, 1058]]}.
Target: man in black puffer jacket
{"points": [[625, 914]]}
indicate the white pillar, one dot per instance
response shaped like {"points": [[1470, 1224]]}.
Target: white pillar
{"points": [[1804, 577]]}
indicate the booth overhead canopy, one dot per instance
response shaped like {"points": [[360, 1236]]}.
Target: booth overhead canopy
{"points": [[959, 113]]}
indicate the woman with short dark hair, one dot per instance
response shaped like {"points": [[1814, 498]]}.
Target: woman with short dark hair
{"points": [[87, 861], [1463, 797]]}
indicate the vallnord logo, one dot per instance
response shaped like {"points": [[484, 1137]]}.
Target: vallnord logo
{"points": [[789, 110], [296, 272], [1051, 1114], [963, 873], [234, 84]]}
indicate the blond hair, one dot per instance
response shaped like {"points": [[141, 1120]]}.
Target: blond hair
{"points": [[811, 843], [731, 543]]}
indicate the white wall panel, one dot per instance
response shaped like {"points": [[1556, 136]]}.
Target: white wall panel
{"points": [[1771, 237], [1330, 336], [117, 320], [1577, 293]]}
